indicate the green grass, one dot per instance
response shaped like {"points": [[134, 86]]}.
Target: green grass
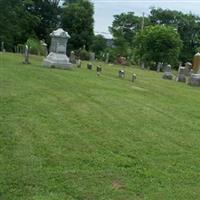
{"points": [[70, 135]]}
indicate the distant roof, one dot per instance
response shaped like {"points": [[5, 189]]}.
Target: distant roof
{"points": [[60, 33]]}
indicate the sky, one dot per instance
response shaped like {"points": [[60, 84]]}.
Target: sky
{"points": [[105, 9]]}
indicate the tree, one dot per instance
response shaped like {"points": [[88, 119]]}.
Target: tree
{"points": [[158, 44], [77, 19], [99, 44], [187, 25], [124, 28]]}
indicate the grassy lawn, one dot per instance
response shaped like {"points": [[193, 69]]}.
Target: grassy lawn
{"points": [[70, 135]]}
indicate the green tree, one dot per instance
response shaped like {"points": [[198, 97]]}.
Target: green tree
{"points": [[187, 25], [99, 44], [77, 19], [158, 44], [124, 28]]}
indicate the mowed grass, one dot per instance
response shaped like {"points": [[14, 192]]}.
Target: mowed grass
{"points": [[70, 135]]}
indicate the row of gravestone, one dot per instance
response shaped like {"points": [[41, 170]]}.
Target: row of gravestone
{"points": [[183, 72], [121, 73]]}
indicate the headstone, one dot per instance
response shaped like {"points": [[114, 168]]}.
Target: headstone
{"points": [[99, 70], [159, 66], [57, 57], [194, 80], [188, 68], [79, 63], [196, 63], [44, 46], [89, 66], [72, 57], [133, 77], [181, 75], [26, 55], [168, 73], [92, 56], [142, 65], [107, 57], [121, 73]]}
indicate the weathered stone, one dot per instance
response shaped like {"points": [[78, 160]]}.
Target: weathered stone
{"points": [[133, 77], [196, 63], [121, 73], [72, 57], [44, 46], [188, 68], [92, 56], [57, 57], [99, 70], [159, 66], [26, 55], [79, 63], [181, 75], [194, 80], [89, 66], [168, 73]]}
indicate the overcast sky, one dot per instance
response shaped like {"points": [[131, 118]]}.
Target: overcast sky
{"points": [[105, 9]]}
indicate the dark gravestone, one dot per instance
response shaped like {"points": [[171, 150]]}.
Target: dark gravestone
{"points": [[121, 73], [168, 73], [99, 70], [89, 66]]}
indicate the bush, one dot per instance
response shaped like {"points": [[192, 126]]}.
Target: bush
{"points": [[84, 55], [35, 46]]}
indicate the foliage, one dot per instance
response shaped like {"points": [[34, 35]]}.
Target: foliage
{"points": [[35, 46], [84, 55], [158, 44], [187, 25], [77, 19], [98, 44], [124, 28]]}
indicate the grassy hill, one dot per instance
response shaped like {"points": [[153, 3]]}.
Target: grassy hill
{"points": [[70, 135]]}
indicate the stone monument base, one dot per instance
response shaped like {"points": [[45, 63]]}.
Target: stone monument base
{"points": [[194, 80], [167, 75], [56, 60]]}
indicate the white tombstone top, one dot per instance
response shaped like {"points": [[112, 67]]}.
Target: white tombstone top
{"points": [[197, 54], [60, 33]]}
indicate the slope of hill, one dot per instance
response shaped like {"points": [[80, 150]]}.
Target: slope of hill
{"points": [[73, 135]]}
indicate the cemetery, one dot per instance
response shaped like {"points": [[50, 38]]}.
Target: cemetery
{"points": [[83, 117]]}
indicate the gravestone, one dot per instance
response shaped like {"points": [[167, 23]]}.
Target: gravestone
{"points": [[188, 68], [26, 55], [57, 57], [99, 70], [159, 66], [79, 63], [168, 73], [196, 63], [181, 75], [44, 46], [121, 73], [107, 57], [194, 80], [89, 66], [142, 65], [133, 77], [92, 56], [72, 57]]}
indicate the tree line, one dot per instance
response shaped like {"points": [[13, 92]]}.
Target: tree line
{"points": [[164, 36]]}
